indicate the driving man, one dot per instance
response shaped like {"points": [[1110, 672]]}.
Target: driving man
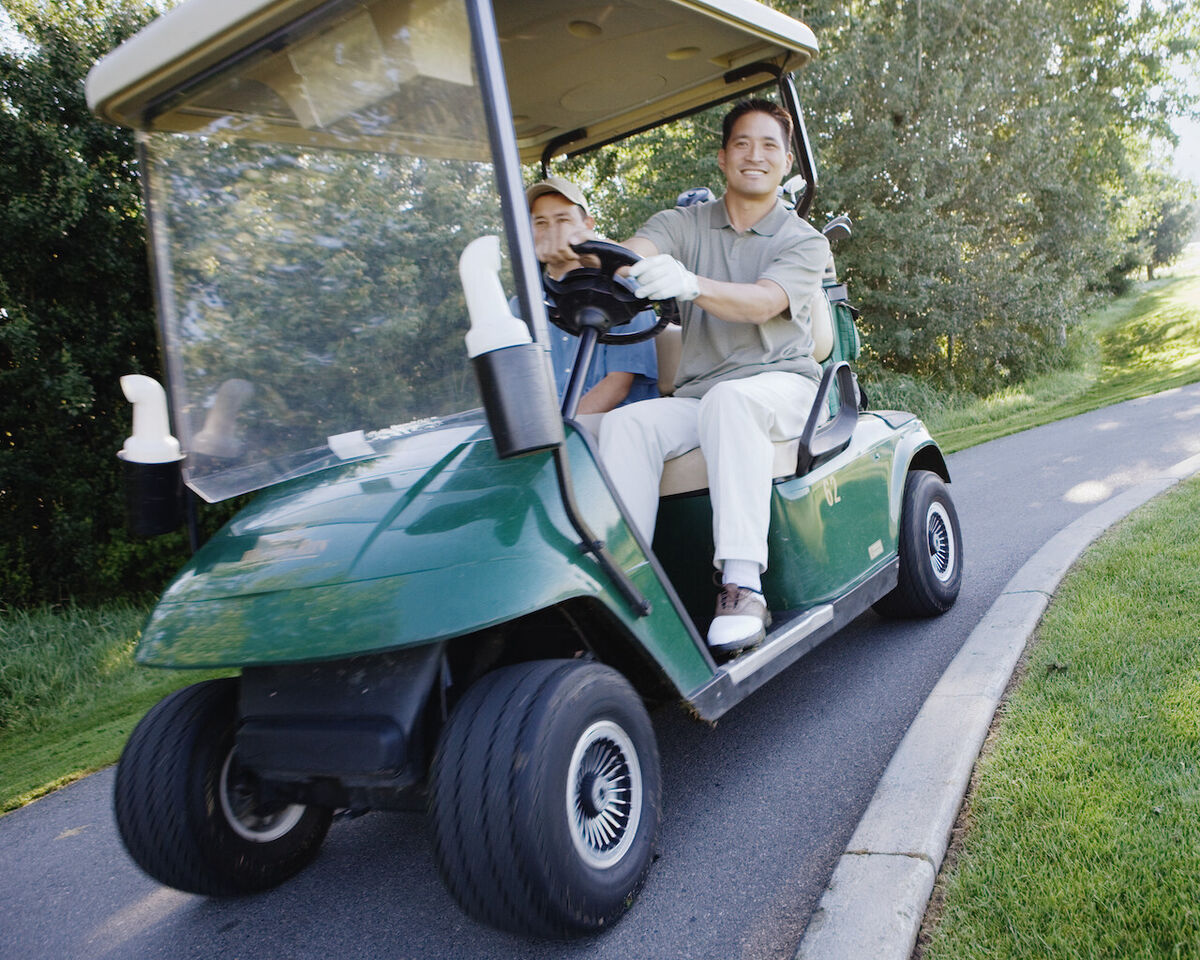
{"points": [[620, 374], [745, 270]]}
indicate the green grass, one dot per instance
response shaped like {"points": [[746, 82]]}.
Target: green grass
{"points": [[1143, 343], [70, 694], [1082, 832]]}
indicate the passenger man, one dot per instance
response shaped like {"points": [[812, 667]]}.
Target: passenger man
{"points": [[619, 374], [745, 270]]}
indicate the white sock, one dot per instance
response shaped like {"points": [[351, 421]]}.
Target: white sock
{"points": [[744, 573]]}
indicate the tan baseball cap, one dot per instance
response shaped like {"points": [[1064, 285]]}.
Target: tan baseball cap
{"points": [[560, 186]]}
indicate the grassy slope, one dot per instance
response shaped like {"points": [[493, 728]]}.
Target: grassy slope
{"points": [[1141, 344], [70, 694]]}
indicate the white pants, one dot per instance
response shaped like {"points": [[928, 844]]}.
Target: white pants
{"points": [[734, 424]]}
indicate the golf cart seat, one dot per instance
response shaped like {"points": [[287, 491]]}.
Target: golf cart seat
{"points": [[688, 473]]}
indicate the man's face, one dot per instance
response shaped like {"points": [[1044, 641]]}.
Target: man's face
{"points": [[756, 159], [556, 221]]}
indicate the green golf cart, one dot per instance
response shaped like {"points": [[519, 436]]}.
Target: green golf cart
{"points": [[434, 596]]}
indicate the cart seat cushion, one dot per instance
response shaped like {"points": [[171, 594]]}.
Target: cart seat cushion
{"points": [[688, 473]]}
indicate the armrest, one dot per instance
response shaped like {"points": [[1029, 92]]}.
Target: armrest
{"points": [[821, 440]]}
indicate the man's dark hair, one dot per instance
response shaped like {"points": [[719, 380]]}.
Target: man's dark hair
{"points": [[757, 105]]}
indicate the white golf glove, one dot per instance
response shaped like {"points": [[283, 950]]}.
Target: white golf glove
{"points": [[662, 277]]}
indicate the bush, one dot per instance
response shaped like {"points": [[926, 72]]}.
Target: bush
{"points": [[75, 313]]}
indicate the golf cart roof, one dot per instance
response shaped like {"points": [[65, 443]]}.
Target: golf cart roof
{"points": [[578, 73]]}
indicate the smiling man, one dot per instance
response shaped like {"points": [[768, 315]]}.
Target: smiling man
{"points": [[745, 271]]}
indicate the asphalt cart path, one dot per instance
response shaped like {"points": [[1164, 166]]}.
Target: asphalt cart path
{"points": [[757, 811]]}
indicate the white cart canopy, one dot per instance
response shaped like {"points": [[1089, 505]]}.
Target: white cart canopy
{"points": [[607, 68]]}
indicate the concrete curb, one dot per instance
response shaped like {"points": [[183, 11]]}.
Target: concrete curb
{"points": [[876, 898]]}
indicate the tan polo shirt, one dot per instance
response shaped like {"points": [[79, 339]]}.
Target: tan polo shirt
{"points": [[780, 247]]}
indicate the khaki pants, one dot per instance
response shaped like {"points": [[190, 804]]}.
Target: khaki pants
{"points": [[735, 424]]}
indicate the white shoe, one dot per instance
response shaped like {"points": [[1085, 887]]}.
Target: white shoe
{"points": [[741, 620]]}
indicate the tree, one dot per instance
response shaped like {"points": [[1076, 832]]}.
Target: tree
{"points": [[984, 150], [1173, 221], [76, 309]]}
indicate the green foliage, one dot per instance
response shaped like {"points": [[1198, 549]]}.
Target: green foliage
{"points": [[995, 191], [76, 312], [1174, 218], [52, 654], [1142, 343], [983, 149]]}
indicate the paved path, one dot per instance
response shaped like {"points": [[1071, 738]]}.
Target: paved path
{"points": [[758, 811]]}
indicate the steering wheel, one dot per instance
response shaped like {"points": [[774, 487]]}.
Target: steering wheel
{"points": [[597, 297]]}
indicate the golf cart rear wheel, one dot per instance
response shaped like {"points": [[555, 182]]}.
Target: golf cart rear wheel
{"points": [[930, 551], [544, 798], [192, 817]]}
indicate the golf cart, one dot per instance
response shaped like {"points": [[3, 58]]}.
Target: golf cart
{"points": [[434, 596]]}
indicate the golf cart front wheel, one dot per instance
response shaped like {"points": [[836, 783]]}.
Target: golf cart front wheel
{"points": [[544, 798], [192, 817], [930, 551]]}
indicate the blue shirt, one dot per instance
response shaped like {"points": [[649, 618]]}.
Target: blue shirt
{"points": [[638, 359]]}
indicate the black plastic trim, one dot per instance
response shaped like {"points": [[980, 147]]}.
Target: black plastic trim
{"points": [[358, 720], [823, 440], [557, 143], [518, 399], [342, 748]]}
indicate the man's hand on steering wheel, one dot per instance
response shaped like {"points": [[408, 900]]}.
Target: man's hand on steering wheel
{"points": [[594, 290], [556, 248], [662, 277]]}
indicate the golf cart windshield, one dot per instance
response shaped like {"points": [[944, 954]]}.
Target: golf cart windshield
{"points": [[308, 226], [315, 168]]}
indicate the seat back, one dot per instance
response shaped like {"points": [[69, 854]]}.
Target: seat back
{"points": [[822, 328], [667, 347]]}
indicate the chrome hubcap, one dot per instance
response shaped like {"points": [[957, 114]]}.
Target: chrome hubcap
{"points": [[604, 794], [246, 816], [940, 538]]}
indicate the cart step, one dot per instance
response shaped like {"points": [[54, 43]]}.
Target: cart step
{"points": [[780, 641]]}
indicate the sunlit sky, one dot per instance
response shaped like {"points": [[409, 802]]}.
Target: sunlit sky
{"points": [[1187, 154]]}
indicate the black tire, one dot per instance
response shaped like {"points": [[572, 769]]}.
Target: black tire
{"points": [[190, 817], [529, 770], [930, 551]]}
